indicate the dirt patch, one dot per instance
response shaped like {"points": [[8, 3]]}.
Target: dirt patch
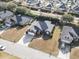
{"points": [[13, 34], [4, 55], [74, 53]]}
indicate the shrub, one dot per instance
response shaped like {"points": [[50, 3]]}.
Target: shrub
{"points": [[21, 10], [74, 14], [11, 6], [67, 18], [3, 6]]}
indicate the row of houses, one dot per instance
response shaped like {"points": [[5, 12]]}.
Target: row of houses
{"points": [[10, 19], [59, 5]]}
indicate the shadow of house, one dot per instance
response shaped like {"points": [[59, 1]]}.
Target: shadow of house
{"points": [[68, 35]]}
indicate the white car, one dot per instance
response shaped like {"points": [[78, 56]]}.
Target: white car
{"points": [[2, 47]]}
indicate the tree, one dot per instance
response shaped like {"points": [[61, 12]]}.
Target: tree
{"points": [[3, 6], [11, 6], [67, 18], [21, 10]]}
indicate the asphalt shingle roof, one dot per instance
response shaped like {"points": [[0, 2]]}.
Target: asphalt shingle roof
{"points": [[66, 36], [43, 25], [5, 14]]}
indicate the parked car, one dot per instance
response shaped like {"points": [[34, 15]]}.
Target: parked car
{"points": [[2, 47]]}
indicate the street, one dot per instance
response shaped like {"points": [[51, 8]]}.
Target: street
{"points": [[24, 52]]}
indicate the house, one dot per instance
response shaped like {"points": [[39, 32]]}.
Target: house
{"points": [[32, 2], [75, 9], [41, 28], [5, 14], [22, 20], [62, 7], [49, 6], [68, 35]]}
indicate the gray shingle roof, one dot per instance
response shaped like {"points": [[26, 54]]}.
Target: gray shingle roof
{"points": [[6, 14], [42, 25], [32, 1], [22, 19], [66, 36]]}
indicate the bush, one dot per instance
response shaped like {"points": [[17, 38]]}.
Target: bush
{"points": [[21, 10], [11, 6], [75, 14], [3, 6], [67, 18]]}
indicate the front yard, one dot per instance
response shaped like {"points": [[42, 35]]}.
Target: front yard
{"points": [[4, 55], [49, 46], [13, 34], [74, 53]]}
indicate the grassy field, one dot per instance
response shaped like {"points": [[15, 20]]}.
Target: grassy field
{"points": [[4, 55], [74, 53], [13, 34], [49, 46]]}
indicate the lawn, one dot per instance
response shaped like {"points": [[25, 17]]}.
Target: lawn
{"points": [[4, 55], [49, 46], [74, 53], [13, 34]]}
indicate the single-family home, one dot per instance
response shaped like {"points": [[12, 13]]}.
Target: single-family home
{"points": [[68, 35], [21, 19], [62, 7], [75, 9], [42, 28], [32, 2], [5, 16]]}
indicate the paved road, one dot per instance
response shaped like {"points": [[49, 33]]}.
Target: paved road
{"points": [[24, 52]]}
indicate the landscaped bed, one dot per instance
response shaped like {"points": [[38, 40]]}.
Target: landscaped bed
{"points": [[74, 53], [13, 34], [49, 46], [4, 55]]}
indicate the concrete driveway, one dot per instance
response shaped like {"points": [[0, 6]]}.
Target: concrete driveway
{"points": [[25, 39]]}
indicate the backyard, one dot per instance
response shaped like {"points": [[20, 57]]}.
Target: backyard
{"points": [[13, 34], [4, 55], [49, 46]]}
